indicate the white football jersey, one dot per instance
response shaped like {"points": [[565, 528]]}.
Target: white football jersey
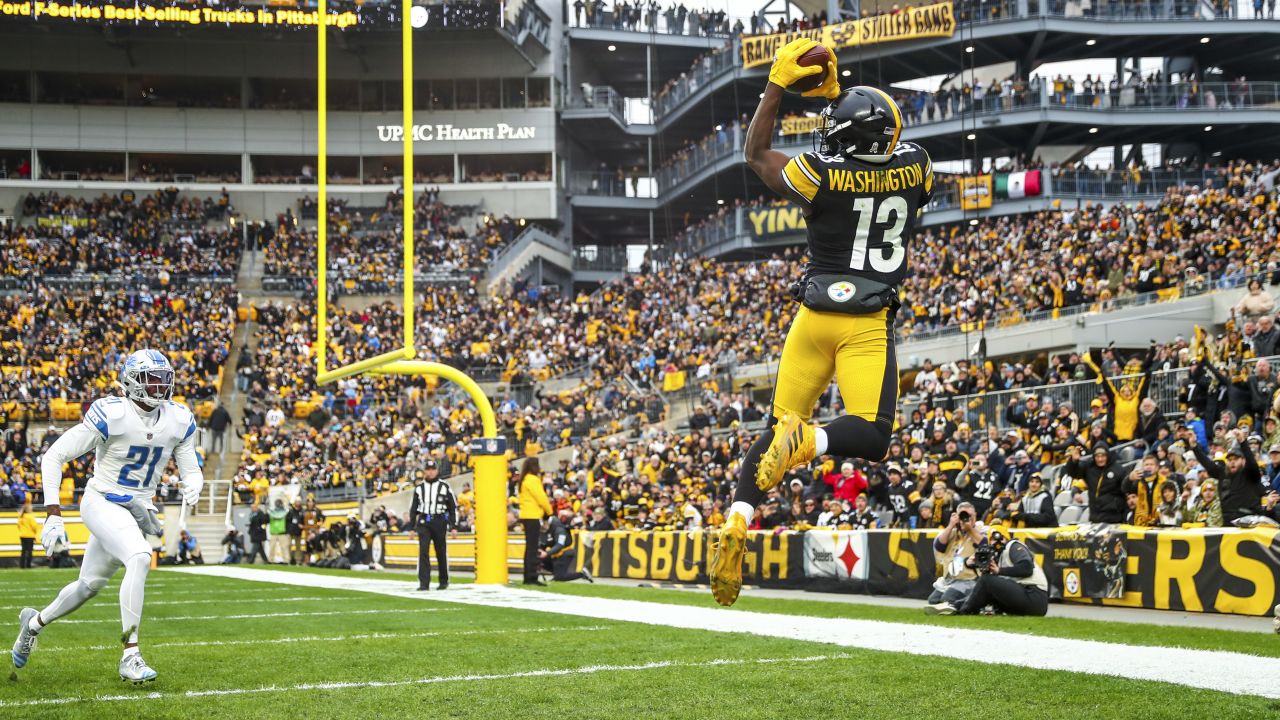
{"points": [[130, 456]]}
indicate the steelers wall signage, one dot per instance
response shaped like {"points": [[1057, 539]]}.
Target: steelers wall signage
{"points": [[928, 21], [776, 222], [1220, 570]]}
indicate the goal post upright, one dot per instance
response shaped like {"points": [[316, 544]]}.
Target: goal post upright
{"points": [[489, 451]]}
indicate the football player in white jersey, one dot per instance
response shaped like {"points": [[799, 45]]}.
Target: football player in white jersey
{"points": [[132, 438]]}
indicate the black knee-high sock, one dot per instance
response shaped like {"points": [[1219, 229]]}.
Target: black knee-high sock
{"points": [[851, 436], [747, 491]]}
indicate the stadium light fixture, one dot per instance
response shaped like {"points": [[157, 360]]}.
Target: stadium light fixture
{"points": [[1208, 128], [418, 17], [1090, 42], [969, 49], [613, 48], [971, 136], [1217, 154], [846, 73], [719, 201], [973, 221], [1093, 131], [1204, 41]]}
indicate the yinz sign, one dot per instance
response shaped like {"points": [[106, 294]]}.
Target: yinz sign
{"points": [[446, 132]]}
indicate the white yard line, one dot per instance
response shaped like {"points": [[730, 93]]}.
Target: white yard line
{"points": [[163, 618], [1230, 672], [438, 679], [341, 638], [238, 601]]}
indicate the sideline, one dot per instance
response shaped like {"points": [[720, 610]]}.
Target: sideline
{"points": [[1231, 672], [345, 685]]}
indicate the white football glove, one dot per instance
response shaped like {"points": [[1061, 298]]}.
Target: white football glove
{"points": [[53, 533], [144, 513], [191, 487]]}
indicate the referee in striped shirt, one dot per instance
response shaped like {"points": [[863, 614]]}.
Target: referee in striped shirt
{"points": [[433, 513]]}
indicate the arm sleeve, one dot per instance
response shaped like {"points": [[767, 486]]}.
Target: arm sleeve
{"points": [[184, 455], [451, 507], [75, 442], [1022, 562], [1213, 468], [927, 193], [802, 177]]}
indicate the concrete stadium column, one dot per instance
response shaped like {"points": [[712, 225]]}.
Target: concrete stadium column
{"points": [[246, 168]]}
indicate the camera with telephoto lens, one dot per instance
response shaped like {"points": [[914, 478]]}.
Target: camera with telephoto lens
{"points": [[982, 557], [965, 516]]}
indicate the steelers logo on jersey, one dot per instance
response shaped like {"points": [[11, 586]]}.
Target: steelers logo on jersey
{"points": [[841, 291]]}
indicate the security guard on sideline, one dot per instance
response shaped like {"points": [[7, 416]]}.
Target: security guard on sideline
{"points": [[433, 513]]}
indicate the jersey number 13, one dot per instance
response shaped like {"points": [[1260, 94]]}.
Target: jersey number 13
{"points": [[890, 218]]}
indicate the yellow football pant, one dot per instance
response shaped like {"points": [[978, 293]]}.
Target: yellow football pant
{"points": [[857, 349]]}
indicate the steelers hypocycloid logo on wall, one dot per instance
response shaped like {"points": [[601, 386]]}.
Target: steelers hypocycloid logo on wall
{"points": [[1071, 583], [841, 291]]}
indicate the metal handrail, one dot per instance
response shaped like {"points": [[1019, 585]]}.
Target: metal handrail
{"points": [[1164, 388], [1218, 96], [1003, 11]]}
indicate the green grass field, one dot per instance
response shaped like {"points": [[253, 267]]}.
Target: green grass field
{"points": [[235, 649]]}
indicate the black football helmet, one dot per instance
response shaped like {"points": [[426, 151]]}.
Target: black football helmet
{"points": [[862, 120]]}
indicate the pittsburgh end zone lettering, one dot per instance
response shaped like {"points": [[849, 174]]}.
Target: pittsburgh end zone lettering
{"points": [[1226, 570]]}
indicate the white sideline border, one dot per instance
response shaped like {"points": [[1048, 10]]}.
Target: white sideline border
{"points": [[248, 616], [297, 639], [1223, 671], [213, 601]]}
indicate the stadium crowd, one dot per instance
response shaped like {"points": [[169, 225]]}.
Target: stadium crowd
{"points": [[147, 240], [365, 245], [1019, 466], [1095, 256]]}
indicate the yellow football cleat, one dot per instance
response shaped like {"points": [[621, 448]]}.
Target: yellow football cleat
{"points": [[792, 445], [727, 549]]}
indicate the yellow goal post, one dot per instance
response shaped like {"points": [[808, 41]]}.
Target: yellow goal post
{"points": [[488, 451]]}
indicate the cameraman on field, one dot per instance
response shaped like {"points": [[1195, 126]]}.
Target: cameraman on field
{"points": [[1010, 582], [953, 549]]}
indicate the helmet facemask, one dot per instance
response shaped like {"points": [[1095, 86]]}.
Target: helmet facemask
{"points": [[149, 382]]}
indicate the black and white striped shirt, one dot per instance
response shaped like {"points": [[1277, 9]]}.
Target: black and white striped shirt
{"points": [[432, 499]]}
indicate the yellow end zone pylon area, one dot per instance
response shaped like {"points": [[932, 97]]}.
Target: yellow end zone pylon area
{"points": [[489, 451]]}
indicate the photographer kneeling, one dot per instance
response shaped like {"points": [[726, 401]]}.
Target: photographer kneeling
{"points": [[953, 549], [1009, 579]]}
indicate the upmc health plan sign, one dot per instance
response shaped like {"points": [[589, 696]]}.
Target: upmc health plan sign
{"points": [[452, 133]]}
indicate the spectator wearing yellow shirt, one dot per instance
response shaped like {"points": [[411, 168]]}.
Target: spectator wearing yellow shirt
{"points": [[26, 535], [534, 506]]}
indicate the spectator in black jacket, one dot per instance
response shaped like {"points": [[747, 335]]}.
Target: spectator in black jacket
{"points": [[1262, 387], [1103, 480], [258, 520], [293, 525], [1239, 480], [219, 420], [1036, 507]]}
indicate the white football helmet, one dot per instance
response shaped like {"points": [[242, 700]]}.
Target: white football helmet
{"points": [[147, 377]]}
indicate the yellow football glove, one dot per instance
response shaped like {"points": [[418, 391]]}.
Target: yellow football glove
{"points": [[785, 72], [830, 88]]}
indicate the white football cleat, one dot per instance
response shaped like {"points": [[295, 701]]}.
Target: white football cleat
{"points": [[135, 670], [26, 642]]}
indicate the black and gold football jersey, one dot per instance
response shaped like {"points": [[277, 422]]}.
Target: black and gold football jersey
{"points": [[861, 213]]}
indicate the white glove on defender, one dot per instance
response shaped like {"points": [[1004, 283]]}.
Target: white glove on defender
{"points": [[191, 487], [53, 533]]}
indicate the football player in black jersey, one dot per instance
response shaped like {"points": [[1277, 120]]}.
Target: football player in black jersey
{"points": [[861, 191]]}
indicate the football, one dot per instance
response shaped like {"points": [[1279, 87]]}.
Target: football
{"points": [[817, 55]]}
